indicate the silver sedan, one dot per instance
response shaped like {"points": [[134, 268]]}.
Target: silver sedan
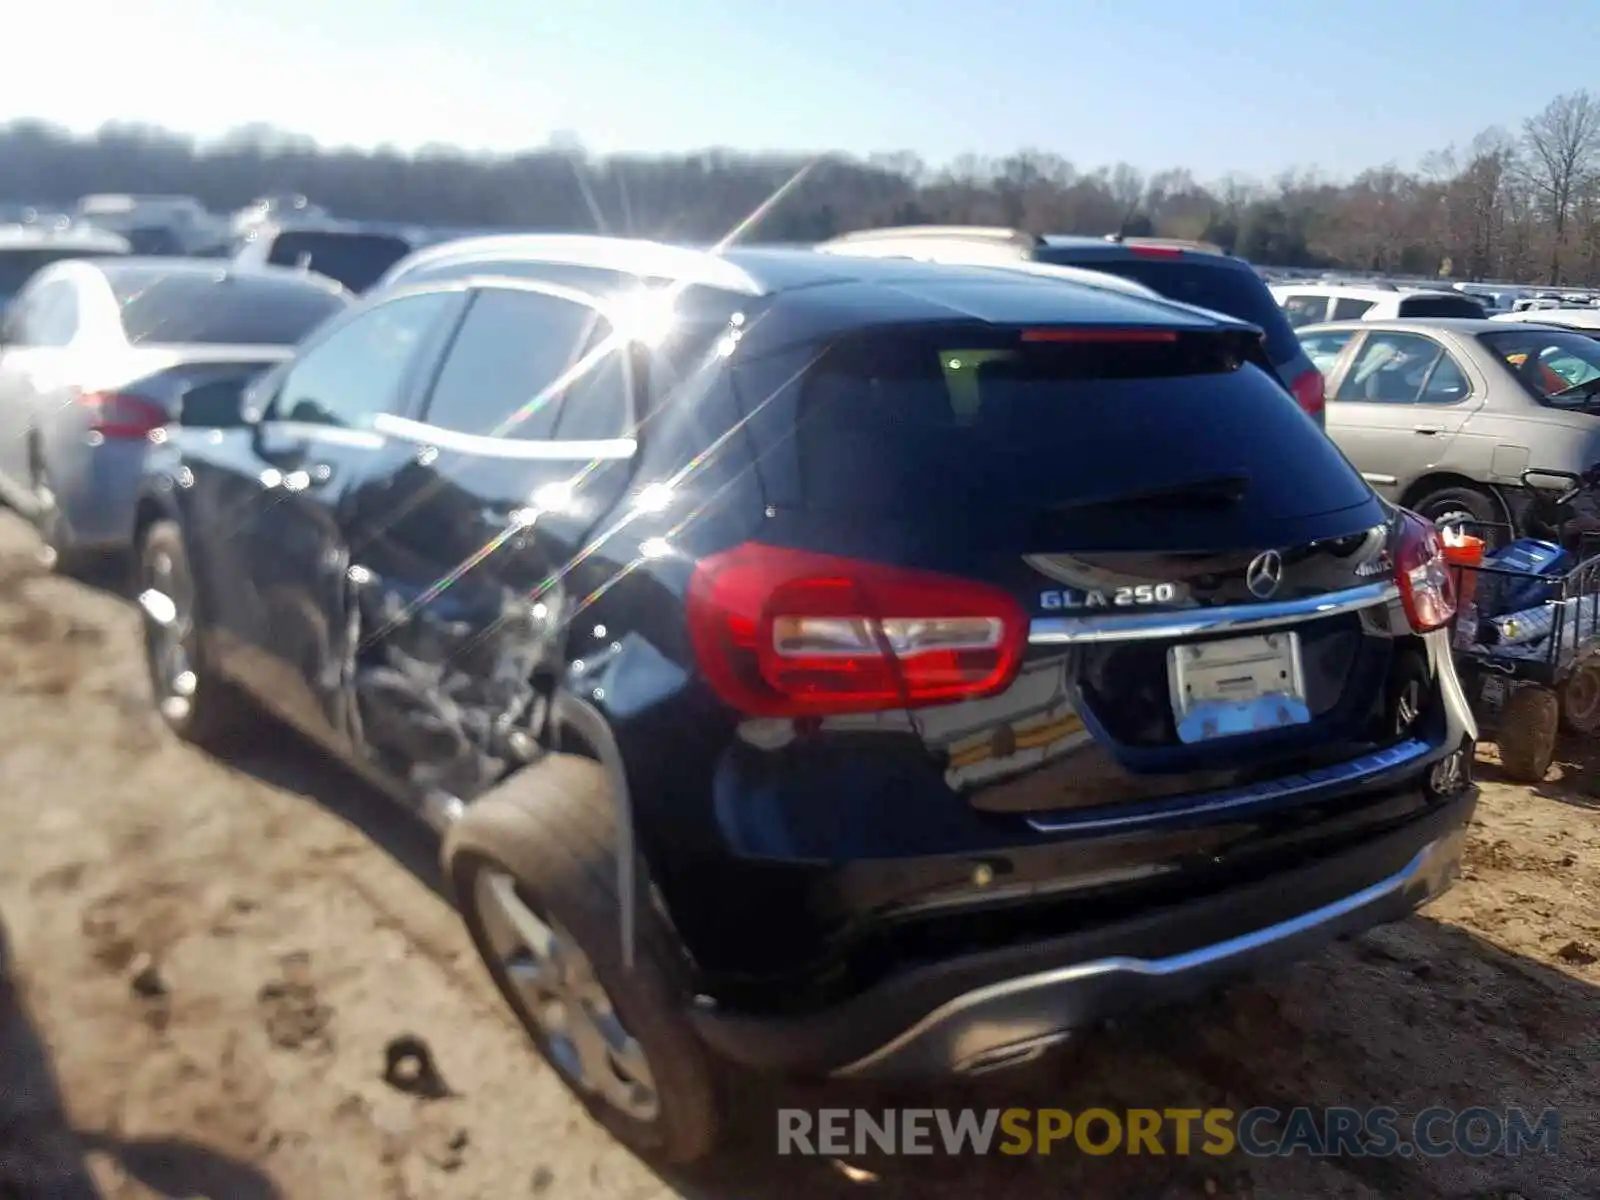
{"points": [[1444, 415]]}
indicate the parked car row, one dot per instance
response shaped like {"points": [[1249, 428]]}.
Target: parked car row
{"points": [[841, 662]]}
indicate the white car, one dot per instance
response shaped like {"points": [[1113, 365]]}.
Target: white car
{"points": [[1313, 303]]}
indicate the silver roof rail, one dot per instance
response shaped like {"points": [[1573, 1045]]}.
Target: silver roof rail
{"points": [[631, 256]]}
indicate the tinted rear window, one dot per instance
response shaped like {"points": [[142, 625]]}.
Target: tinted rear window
{"points": [[17, 266], [219, 309], [984, 424], [357, 260], [1218, 286], [1440, 306]]}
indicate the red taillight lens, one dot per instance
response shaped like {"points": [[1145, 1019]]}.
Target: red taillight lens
{"points": [[115, 415], [1310, 391], [1427, 587], [1157, 251], [788, 633]]}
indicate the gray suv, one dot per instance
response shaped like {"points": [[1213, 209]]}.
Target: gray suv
{"points": [[1190, 272]]}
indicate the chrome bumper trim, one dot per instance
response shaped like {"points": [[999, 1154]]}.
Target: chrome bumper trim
{"points": [[1229, 618], [1352, 771]]}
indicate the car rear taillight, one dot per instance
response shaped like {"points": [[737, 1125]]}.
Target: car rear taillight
{"points": [[789, 633], [1156, 251], [117, 415], [1427, 586], [1310, 391]]}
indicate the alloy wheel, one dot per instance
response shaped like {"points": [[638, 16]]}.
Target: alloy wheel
{"points": [[563, 1002], [167, 603]]}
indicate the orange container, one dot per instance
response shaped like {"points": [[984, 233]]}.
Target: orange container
{"points": [[1465, 553]]}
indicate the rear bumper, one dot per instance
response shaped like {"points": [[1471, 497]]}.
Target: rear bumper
{"points": [[97, 488], [999, 1008]]}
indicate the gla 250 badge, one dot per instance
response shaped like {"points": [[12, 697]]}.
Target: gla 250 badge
{"points": [[1131, 596]]}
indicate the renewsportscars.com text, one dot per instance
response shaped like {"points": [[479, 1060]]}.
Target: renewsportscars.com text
{"points": [[1258, 1132]]}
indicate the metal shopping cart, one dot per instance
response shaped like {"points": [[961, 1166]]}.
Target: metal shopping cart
{"points": [[1526, 635]]}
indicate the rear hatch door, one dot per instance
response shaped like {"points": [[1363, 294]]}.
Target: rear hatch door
{"points": [[1120, 485]]}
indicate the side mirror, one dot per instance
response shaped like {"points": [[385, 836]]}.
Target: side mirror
{"points": [[215, 405]]}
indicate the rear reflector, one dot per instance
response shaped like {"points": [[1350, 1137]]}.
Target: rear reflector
{"points": [[1101, 336], [788, 633], [1310, 391], [120, 416]]}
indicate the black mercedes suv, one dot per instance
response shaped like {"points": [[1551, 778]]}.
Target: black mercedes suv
{"points": [[835, 666]]}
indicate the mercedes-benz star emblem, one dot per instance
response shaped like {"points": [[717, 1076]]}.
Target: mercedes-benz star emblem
{"points": [[1264, 574]]}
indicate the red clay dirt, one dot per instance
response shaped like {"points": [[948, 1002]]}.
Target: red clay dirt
{"points": [[207, 961]]}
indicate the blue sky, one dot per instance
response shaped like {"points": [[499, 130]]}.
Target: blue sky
{"points": [[1249, 85]]}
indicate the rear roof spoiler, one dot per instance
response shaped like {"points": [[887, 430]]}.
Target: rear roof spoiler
{"points": [[1167, 243], [987, 234]]}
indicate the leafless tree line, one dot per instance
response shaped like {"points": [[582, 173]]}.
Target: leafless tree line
{"points": [[1520, 205]]}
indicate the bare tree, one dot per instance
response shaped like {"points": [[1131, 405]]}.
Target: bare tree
{"points": [[1563, 146]]}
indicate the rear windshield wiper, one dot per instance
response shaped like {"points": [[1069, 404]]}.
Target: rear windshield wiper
{"points": [[1217, 491]]}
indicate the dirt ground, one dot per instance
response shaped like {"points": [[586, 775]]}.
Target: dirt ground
{"points": [[208, 959]]}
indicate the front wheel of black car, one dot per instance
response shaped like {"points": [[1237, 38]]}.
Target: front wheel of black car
{"points": [[193, 700], [532, 867]]}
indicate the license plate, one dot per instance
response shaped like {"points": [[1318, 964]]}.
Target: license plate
{"points": [[1240, 685]]}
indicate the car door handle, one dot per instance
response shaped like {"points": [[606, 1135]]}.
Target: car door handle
{"points": [[1428, 430]]}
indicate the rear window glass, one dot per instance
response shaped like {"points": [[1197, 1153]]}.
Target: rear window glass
{"points": [[199, 307], [1440, 306], [357, 260], [990, 425], [1559, 368], [17, 266], [1221, 287]]}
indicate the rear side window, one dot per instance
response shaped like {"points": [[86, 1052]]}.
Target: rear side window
{"points": [[1219, 285], [1305, 310], [357, 260], [1347, 308], [1440, 306], [221, 309], [520, 361], [987, 427]]}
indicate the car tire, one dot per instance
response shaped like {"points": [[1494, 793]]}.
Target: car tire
{"points": [[1468, 503], [204, 708], [545, 840], [1528, 726]]}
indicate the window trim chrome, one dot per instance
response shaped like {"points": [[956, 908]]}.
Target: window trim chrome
{"points": [[1228, 618], [488, 446]]}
